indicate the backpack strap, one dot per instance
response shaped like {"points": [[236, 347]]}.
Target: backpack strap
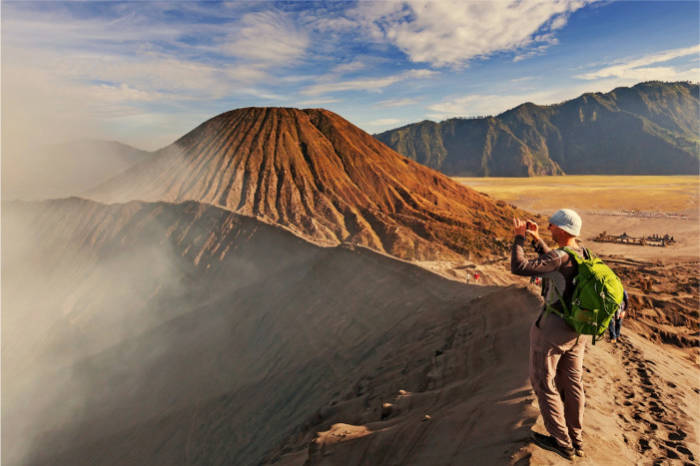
{"points": [[575, 255], [551, 309], [555, 311], [587, 254]]}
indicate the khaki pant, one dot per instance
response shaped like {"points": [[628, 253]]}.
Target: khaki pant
{"points": [[556, 368]]}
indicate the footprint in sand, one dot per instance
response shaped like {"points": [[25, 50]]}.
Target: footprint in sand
{"points": [[644, 445], [643, 384]]}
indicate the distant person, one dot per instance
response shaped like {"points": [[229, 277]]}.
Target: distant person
{"points": [[477, 276], [616, 322], [556, 352]]}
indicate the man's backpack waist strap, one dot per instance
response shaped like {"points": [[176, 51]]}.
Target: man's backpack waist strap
{"points": [[554, 309]]}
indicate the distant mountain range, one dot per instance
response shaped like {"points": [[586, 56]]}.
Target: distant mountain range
{"points": [[651, 128]]}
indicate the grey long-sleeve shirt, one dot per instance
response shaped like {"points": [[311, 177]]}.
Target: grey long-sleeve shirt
{"points": [[554, 265]]}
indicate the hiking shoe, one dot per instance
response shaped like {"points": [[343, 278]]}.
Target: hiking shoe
{"points": [[578, 449], [548, 443]]}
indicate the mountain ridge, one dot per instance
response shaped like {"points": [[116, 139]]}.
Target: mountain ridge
{"points": [[651, 128], [318, 175], [149, 316]]}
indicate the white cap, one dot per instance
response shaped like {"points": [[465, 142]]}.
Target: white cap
{"points": [[567, 220]]}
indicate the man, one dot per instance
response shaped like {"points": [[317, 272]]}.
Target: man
{"points": [[616, 322], [556, 352]]}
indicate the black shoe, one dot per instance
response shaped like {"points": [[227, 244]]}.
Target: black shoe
{"points": [[548, 443], [578, 449]]}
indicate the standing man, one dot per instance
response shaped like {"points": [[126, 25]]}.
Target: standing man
{"points": [[616, 323], [556, 352]]}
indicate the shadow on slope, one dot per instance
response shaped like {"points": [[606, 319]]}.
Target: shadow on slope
{"points": [[458, 394], [155, 333]]}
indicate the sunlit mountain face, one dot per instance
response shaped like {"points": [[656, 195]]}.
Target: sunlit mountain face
{"points": [[316, 174]]}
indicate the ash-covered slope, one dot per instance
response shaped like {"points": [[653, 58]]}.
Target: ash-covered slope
{"points": [[160, 334], [459, 396], [321, 177], [651, 128]]}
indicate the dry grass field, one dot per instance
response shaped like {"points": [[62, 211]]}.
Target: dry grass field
{"points": [[667, 194]]}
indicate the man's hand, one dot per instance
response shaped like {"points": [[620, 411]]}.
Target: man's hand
{"points": [[522, 228], [533, 229]]}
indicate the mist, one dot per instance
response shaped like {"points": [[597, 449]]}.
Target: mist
{"points": [[65, 300], [54, 137], [80, 282], [161, 333]]}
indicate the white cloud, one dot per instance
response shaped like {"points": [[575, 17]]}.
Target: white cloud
{"points": [[334, 25], [496, 102], [522, 79], [120, 93], [315, 102], [390, 103], [477, 105], [137, 51], [384, 122], [420, 74], [96, 76], [268, 37], [55, 29], [639, 69], [558, 22], [540, 49], [365, 84], [452, 32], [262, 94], [350, 67], [362, 84], [183, 79]]}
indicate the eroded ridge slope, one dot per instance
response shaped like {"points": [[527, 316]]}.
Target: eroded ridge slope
{"points": [[323, 178]]}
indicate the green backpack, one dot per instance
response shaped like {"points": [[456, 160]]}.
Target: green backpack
{"points": [[597, 295]]}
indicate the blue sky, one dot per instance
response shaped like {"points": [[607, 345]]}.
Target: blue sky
{"points": [[145, 73]]}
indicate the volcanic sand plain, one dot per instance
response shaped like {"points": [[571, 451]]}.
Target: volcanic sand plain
{"points": [[662, 281], [636, 205]]}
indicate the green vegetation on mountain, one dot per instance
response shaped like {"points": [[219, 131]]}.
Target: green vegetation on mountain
{"points": [[651, 128]]}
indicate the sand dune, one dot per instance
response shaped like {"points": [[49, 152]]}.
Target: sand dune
{"points": [[470, 379]]}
